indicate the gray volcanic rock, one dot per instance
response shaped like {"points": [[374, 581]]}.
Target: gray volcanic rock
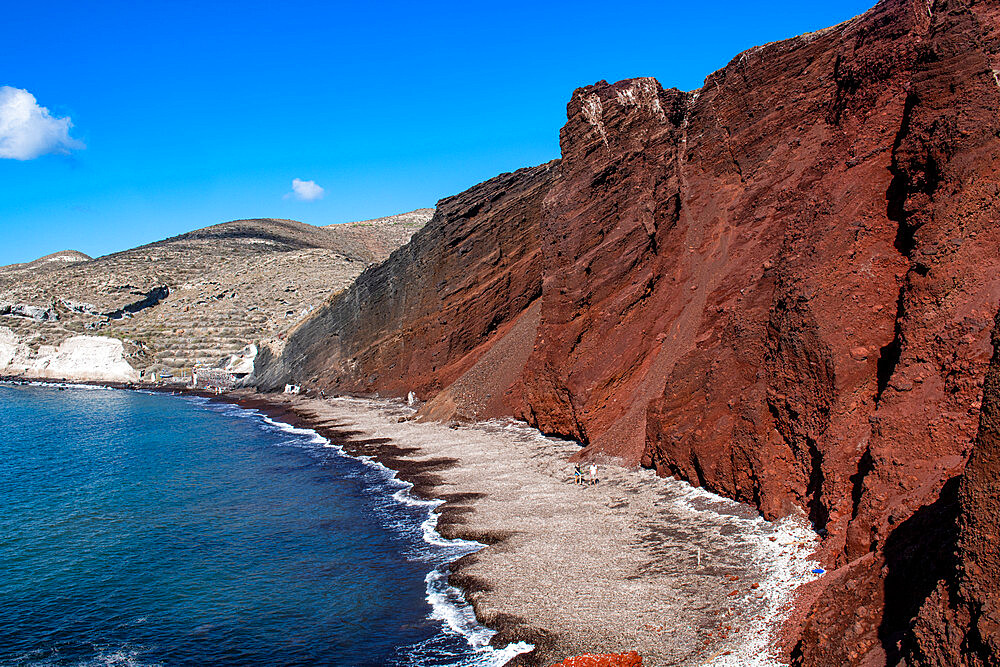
{"points": [[414, 321], [381, 236], [27, 311]]}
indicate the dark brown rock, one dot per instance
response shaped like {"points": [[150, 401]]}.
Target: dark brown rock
{"points": [[979, 554], [959, 621]]}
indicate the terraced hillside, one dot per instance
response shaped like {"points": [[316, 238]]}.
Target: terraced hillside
{"points": [[197, 298]]}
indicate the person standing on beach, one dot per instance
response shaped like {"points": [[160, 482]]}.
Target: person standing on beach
{"points": [[593, 473], [578, 474]]}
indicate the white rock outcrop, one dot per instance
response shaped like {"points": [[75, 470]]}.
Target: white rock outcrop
{"points": [[241, 363], [81, 358]]}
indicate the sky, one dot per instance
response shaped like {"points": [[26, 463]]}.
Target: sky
{"points": [[123, 123]]}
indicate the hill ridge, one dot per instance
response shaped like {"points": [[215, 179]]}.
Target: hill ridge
{"points": [[196, 298]]}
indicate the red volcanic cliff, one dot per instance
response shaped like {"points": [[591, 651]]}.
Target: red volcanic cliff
{"points": [[958, 620], [977, 598], [780, 287]]}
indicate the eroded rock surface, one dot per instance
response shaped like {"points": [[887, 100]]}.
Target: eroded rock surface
{"points": [[423, 317], [86, 358], [779, 286], [958, 623]]}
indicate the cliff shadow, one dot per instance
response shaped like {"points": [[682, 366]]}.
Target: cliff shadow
{"points": [[919, 554]]}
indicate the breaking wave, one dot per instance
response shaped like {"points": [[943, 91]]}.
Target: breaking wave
{"points": [[447, 603]]}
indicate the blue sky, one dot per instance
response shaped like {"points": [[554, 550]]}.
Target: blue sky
{"points": [[185, 114]]}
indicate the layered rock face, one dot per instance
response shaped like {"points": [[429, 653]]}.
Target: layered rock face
{"points": [[419, 320], [779, 287]]}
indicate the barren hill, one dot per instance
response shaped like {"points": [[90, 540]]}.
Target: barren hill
{"points": [[198, 297], [381, 236], [51, 261]]}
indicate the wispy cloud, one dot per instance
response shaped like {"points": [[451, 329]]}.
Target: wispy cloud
{"points": [[305, 190], [28, 130]]}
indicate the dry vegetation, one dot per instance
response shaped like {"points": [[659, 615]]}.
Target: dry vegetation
{"points": [[201, 296]]}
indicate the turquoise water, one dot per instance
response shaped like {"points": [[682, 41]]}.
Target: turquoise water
{"points": [[150, 529]]}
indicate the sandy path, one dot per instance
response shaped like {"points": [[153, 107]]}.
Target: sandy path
{"points": [[574, 569]]}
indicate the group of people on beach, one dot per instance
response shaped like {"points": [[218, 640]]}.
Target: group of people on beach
{"points": [[580, 477]]}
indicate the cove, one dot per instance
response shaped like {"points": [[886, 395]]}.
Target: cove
{"points": [[151, 529]]}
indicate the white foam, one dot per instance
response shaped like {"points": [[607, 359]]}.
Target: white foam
{"points": [[784, 550], [60, 385], [448, 605], [447, 602], [315, 438], [121, 656], [789, 563]]}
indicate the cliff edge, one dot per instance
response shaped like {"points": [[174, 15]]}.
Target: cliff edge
{"points": [[780, 287]]}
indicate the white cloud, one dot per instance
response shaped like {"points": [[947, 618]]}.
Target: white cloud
{"points": [[28, 131], [305, 190]]}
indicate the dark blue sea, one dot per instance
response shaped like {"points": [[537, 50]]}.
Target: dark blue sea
{"points": [[147, 529]]}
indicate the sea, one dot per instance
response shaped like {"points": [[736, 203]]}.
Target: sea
{"points": [[149, 529]]}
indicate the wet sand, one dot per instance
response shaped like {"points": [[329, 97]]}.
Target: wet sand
{"points": [[635, 562]]}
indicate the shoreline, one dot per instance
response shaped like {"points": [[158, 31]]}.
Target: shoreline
{"points": [[448, 602], [683, 615], [423, 480], [420, 477]]}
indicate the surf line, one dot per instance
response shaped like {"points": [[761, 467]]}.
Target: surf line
{"points": [[447, 602]]}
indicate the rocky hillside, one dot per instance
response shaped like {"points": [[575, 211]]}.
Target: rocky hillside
{"points": [[780, 287], [195, 298], [380, 236], [49, 262]]}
